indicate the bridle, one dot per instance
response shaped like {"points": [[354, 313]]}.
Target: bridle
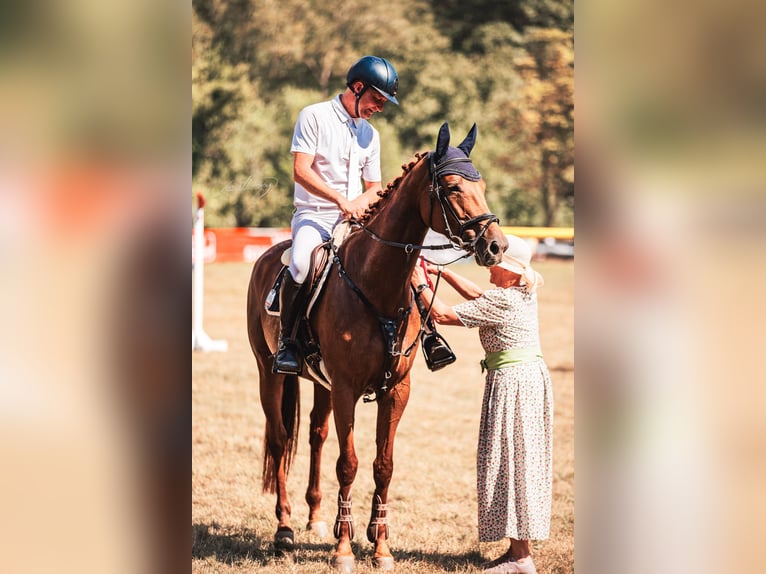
{"points": [[436, 193], [436, 190]]}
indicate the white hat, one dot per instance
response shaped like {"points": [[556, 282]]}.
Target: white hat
{"points": [[516, 259]]}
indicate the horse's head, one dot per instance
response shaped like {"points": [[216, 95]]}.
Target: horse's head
{"points": [[456, 205]]}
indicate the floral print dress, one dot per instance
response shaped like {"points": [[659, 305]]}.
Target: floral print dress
{"points": [[515, 452]]}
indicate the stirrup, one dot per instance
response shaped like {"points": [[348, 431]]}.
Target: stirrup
{"points": [[288, 365], [436, 351]]}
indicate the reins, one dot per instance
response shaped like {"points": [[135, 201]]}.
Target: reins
{"points": [[433, 286], [408, 247]]}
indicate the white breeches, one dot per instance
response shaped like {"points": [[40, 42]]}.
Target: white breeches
{"points": [[309, 229]]}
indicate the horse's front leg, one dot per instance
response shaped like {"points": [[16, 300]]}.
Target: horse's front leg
{"points": [[320, 416], [343, 403], [390, 409]]}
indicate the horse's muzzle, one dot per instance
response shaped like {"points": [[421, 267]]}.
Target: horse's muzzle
{"points": [[489, 250]]}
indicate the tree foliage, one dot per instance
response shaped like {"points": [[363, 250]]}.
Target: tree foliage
{"points": [[508, 67]]}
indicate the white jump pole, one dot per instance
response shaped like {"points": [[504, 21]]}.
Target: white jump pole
{"points": [[200, 340]]}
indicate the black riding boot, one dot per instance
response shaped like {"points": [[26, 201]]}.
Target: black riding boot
{"points": [[288, 358]]}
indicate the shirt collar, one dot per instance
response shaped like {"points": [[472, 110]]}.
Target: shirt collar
{"points": [[342, 113]]}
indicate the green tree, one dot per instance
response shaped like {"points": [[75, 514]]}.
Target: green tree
{"points": [[459, 18], [548, 117], [217, 92], [255, 63]]}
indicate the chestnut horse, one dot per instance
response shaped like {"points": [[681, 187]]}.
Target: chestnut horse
{"points": [[366, 332]]}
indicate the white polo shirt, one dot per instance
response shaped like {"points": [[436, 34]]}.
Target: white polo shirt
{"points": [[345, 149]]}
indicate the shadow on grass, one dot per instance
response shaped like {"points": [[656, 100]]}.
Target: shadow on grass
{"points": [[236, 545]]}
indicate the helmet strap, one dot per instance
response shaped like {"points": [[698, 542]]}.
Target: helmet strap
{"points": [[359, 97]]}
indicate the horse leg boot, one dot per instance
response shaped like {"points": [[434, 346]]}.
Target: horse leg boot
{"points": [[288, 358]]}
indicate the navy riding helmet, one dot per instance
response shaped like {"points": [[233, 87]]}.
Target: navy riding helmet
{"points": [[375, 72]]}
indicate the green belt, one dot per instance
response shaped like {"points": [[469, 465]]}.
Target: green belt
{"points": [[501, 359]]}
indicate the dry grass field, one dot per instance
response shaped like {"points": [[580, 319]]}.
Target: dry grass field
{"points": [[432, 499]]}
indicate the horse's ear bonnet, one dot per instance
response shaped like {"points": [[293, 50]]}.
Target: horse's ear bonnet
{"points": [[442, 143], [447, 159], [470, 140]]}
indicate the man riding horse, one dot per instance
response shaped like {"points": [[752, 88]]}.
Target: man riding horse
{"points": [[334, 148]]}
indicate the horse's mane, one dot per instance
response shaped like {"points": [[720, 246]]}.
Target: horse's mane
{"points": [[392, 186]]}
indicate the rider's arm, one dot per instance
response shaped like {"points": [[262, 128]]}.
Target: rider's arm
{"points": [[370, 195], [313, 183], [371, 189]]}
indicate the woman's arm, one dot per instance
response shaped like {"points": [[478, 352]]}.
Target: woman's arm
{"points": [[440, 311], [467, 288]]}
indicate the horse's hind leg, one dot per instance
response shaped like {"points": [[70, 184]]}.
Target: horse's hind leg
{"points": [[279, 441], [390, 409], [320, 416], [279, 394]]}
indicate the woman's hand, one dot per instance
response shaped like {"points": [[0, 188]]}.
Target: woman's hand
{"points": [[418, 276]]}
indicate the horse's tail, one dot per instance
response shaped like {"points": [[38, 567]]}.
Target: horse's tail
{"points": [[291, 414]]}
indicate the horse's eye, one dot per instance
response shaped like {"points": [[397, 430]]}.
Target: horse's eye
{"points": [[453, 188]]}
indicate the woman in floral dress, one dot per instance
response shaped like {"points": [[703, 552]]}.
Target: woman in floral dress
{"points": [[514, 457]]}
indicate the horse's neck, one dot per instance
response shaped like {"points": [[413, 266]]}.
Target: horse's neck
{"points": [[398, 219]]}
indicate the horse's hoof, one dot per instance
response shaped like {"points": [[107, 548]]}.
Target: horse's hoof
{"points": [[344, 563], [318, 528], [385, 563], [284, 539]]}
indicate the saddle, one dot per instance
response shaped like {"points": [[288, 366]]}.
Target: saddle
{"points": [[319, 258], [319, 269], [436, 351]]}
